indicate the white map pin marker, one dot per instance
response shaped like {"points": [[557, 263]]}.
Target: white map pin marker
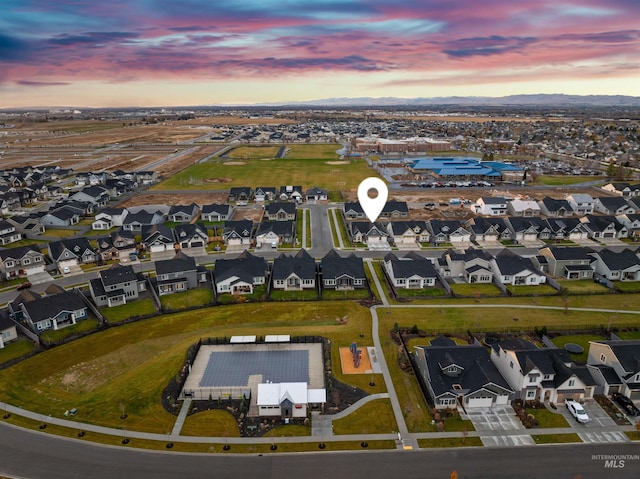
{"points": [[372, 207]]}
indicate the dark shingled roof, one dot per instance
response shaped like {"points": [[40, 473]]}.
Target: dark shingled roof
{"points": [[117, 274], [333, 266], [178, 264], [627, 352], [246, 267], [405, 268], [302, 265], [619, 260], [50, 306]]}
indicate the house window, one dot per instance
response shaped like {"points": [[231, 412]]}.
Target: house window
{"points": [[531, 394], [511, 364], [6, 334], [37, 259], [532, 378], [26, 261], [603, 358], [572, 382], [9, 264], [180, 286], [546, 377]]}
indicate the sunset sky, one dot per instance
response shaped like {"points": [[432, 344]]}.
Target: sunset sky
{"points": [[222, 52]]}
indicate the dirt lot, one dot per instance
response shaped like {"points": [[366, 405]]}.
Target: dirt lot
{"points": [[181, 199]]}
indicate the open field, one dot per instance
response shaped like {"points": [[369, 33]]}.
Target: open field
{"points": [[298, 168]]}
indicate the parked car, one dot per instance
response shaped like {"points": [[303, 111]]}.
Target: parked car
{"points": [[66, 270], [577, 411], [626, 404], [26, 285]]}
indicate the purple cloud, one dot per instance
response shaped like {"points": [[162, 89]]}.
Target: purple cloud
{"points": [[493, 45]]}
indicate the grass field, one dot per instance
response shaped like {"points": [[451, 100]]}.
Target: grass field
{"points": [[375, 417], [582, 286], [141, 307], [559, 180], [16, 349], [548, 419], [187, 299], [476, 289], [305, 165]]}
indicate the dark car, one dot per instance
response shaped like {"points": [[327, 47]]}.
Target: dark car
{"points": [[626, 404], [24, 286]]}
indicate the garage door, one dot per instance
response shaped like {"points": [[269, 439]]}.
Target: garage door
{"points": [[479, 402], [634, 395], [563, 397]]}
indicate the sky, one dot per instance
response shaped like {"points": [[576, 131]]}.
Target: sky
{"points": [[115, 53]]}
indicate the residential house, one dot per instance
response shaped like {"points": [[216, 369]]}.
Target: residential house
{"points": [[116, 285], [21, 261], [632, 222], [411, 272], [109, 218], [613, 205], [239, 195], [136, 221], [616, 265], [395, 209], [489, 229], [157, 239], [28, 225], [472, 265], [408, 232], [146, 177], [342, 273], [291, 193], [555, 208], [625, 190], [8, 233], [216, 212], [460, 375], [623, 357], [353, 211], [178, 274], [568, 263], [529, 230], [183, 213], [7, 328], [9, 201], [490, 206], [237, 233], [581, 203], [603, 227], [240, 275], [54, 311], [69, 252], [63, 216], [263, 194], [523, 208], [96, 195], [192, 238], [374, 235], [448, 231], [546, 374], [567, 228], [119, 245], [512, 269], [275, 233], [316, 195], [294, 273], [90, 179], [280, 211]]}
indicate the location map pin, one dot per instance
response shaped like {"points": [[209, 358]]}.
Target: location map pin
{"points": [[372, 207]]}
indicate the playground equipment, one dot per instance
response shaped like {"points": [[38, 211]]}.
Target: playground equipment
{"points": [[357, 354]]}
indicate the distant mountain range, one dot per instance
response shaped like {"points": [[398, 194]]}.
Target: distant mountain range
{"points": [[537, 100]]}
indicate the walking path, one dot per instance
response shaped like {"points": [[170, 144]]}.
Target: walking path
{"points": [[336, 227], [177, 427]]}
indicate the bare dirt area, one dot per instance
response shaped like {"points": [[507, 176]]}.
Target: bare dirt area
{"points": [[180, 163], [184, 198], [252, 212]]}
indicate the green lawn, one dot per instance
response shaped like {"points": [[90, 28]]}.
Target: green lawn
{"points": [[548, 419], [532, 290], [329, 294], [555, 438], [628, 334], [187, 299], [375, 417], [627, 286], [251, 152], [259, 294], [140, 307], [51, 336], [582, 340], [211, 423], [420, 293], [475, 290], [304, 295], [450, 442], [16, 349], [60, 233], [558, 180], [305, 165], [308, 227], [582, 286]]}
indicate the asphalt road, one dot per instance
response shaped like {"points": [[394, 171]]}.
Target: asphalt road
{"points": [[36, 455]]}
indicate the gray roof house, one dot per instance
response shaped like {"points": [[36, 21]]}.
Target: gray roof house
{"points": [[71, 252], [216, 212], [157, 239], [280, 211], [116, 285], [616, 266], [463, 375], [512, 269], [408, 232], [237, 232], [411, 272], [177, 274], [613, 205], [555, 208], [316, 194], [342, 273], [294, 272], [183, 213], [192, 238], [275, 233], [54, 311], [21, 261], [624, 358], [135, 221], [374, 235], [568, 263], [240, 275]]}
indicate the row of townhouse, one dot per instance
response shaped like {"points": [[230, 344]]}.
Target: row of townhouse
{"points": [[474, 376], [243, 195], [494, 230], [578, 204]]}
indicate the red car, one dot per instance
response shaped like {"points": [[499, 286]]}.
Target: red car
{"points": [[26, 285]]}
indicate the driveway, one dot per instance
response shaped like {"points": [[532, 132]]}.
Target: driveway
{"points": [[598, 418], [39, 277], [496, 419]]}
